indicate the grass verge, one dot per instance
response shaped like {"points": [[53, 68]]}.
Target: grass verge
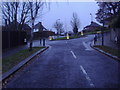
{"points": [[95, 32], [109, 50], [11, 61], [65, 38]]}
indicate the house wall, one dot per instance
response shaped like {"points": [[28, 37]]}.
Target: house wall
{"points": [[112, 35], [115, 35], [109, 39], [118, 34]]}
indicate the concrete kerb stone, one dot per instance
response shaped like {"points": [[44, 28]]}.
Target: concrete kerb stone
{"points": [[105, 53], [22, 63]]}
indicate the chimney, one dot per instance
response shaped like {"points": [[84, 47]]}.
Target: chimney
{"points": [[40, 23]]}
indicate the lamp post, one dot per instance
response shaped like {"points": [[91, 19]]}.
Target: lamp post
{"points": [[102, 30], [91, 17]]}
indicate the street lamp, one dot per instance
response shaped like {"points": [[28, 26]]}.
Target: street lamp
{"points": [[91, 17]]}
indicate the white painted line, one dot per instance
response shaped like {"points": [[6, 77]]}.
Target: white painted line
{"points": [[73, 54], [86, 37], [49, 46], [87, 77], [83, 70], [87, 46]]}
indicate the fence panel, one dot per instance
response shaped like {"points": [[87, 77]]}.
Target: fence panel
{"points": [[12, 39]]}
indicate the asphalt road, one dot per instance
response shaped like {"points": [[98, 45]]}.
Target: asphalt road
{"points": [[69, 64]]}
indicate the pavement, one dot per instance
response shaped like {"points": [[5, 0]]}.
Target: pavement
{"points": [[69, 64], [107, 41], [106, 53], [14, 50]]}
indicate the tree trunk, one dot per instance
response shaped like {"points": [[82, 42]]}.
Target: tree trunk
{"points": [[31, 37]]}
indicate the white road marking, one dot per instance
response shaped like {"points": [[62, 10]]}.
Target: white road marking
{"points": [[73, 54], [86, 37], [87, 77], [49, 46], [87, 46]]}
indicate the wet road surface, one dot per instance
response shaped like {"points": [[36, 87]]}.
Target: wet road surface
{"points": [[69, 64]]}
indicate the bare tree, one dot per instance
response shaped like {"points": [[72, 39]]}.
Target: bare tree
{"points": [[20, 11], [15, 12], [107, 10], [34, 10], [75, 23], [59, 27], [25, 9], [6, 9], [10, 12]]}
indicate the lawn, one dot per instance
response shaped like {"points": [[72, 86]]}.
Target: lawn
{"points": [[110, 50], [11, 61]]}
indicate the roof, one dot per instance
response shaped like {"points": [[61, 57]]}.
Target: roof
{"points": [[93, 24], [39, 26]]}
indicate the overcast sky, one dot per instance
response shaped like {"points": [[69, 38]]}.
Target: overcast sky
{"points": [[64, 10]]}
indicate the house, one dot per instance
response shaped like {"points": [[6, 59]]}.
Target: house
{"points": [[41, 32], [92, 27], [39, 27]]}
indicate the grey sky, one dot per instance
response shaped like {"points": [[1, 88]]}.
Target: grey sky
{"points": [[64, 10]]}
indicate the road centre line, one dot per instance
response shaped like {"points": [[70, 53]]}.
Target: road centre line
{"points": [[87, 77], [73, 54]]}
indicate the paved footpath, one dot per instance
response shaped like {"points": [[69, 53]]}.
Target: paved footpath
{"points": [[13, 50], [22, 47], [69, 64]]}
